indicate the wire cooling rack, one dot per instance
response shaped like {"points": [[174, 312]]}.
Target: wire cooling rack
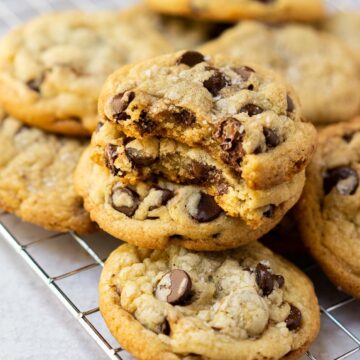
{"points": [[70, 264]]}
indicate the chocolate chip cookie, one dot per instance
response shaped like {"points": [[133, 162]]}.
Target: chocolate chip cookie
{"points": [[243, 116], [328, 213], [346, 26], [36, 177], [176, 304], [322, 70], [52, 68], [131, 160], [233, 10], [157, 212]]}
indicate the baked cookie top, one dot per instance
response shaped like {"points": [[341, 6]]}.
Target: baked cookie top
{"points": [[243, 115], [233, 10], [322, 70], [328, 213], [156, 213], [176, 304], [345, 25], [36, 177], [55, 65]]}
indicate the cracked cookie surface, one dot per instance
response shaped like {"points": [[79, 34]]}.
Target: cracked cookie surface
{"points": [[36, 177], [233, 10], [177, 304], [308, 59], [155, 213], [55, 65], [242, 115], [328, 212]]}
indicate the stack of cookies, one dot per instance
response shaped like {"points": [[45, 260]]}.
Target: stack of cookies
{"points": [[194, 156]]}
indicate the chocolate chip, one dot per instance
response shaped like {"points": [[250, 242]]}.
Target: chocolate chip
{"points": [[99, 125], [111, 154], [142, 153], [138, 158], [35, 84], [174, 287], [144, 124], [264, 279], [245, 72], [190, 58], [280, 280], [343, 178], [165, 328], [207, 209], [124, 200], [293, 321], [271, 138], [216, 82], [119, 103], [184, 117], [270, 211], [349, 136], [200, 171], [166, 195], [251, 109], [290, 104]]}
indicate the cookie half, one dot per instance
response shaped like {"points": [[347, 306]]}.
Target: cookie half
{"points": [[156, 213], [234, 10], [176, 304], [308, 59], [328, 212], [52, 68], [36, 177]]}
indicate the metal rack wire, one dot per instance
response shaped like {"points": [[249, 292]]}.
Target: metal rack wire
{"points": [[340, 333]]}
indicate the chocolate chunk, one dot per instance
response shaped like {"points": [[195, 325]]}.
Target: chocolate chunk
{"points": [[343, 178], [245, 72], [216, 82], [264, 279], [165, 328], [124, 200], [184, 117], [165, 197], [230, 133], [174, 287], [271, 138], [200, 171], [144, 124], [111, 154], [251, 109], [207, 209], [35, 84], [290, 104], [293, 321], [349, 136], [119, 103], [190, 58], [270, 211]]}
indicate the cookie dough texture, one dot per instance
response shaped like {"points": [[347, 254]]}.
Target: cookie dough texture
{"points": [[346, 26], [156, 214], [233, 10], [229, 312], [52, 68], [328, 212], [323, 71], [36, 177]]}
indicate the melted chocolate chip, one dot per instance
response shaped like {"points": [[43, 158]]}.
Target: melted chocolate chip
{"points": [[216, 82], [165, 197], [343, 178], [264, 279], [119, 103], [207, 209], [251, 109], [124, 200], [138, 158], [293, 321], [184, 117], [34, 84], [190, 58], [280, 280], [245, 72], [165, 328], [271, 138], [270, 211], [349, 136], [174, 287], [111, 154], [290, 104], [144, 124]]}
